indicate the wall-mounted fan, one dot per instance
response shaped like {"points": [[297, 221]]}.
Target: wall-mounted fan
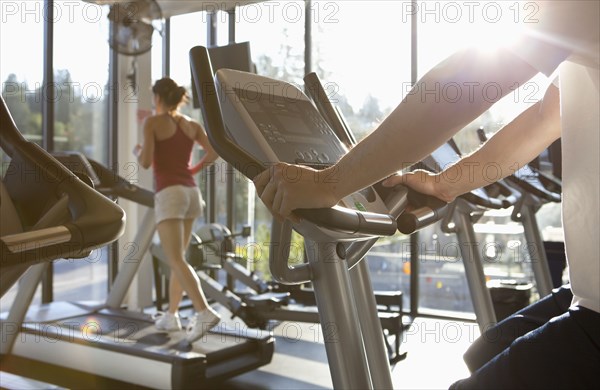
{"points": [[134, 23]]}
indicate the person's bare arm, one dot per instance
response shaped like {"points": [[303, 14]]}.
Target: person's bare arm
{"points": [[145, 152], [446, 99], [210, 154], [513, 146]]}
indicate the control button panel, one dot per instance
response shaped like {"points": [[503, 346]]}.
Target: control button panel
{"points": [[294, 129]]}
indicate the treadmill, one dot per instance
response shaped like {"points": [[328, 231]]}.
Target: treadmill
{"points": [[91, 344], [253, 121]]}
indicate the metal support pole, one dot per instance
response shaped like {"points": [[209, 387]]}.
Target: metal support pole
{"points": [[482, 300], [415, 269], [113, 143], [48, 118], [27, 286], [537, 252], [166, 49], [211, 185], [308, 36], [129, 268], [370, 326], [339, 317], [231, 26]]}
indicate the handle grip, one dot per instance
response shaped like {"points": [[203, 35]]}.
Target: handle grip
{"points": [[423, 210], [350, 221]]}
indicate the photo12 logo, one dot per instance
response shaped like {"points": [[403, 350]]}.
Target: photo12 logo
{"points": [[470, 11], [273, 11], [55, 11]]}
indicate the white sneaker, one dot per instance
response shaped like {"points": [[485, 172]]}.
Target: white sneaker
{"points": [[200, 323], [167, 321]]}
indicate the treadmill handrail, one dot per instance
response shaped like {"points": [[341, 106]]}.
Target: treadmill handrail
{"points": [[349, 220], [96, 221], [116, 185]]}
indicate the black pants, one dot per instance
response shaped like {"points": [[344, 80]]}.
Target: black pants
{"points": [[545, 346]]}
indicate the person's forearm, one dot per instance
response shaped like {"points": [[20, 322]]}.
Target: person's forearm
{"points": [[146, 153], [208, 158], [144, 158], [445, 100], [513, 146]]}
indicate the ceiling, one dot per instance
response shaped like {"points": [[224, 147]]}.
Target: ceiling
{"points": [[179, 7]]}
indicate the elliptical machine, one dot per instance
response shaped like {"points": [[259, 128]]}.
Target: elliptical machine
{"points": [[253, 121]]}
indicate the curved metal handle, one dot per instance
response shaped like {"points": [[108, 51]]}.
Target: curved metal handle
{"points": [[279, 254], [536, 188], [480, 198], [510, 195]]}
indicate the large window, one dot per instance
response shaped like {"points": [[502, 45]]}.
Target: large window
{"points": [[443, 28], [81, 80], [157, 62], [21, 72], [361, 52], [187, 31], [81, 72], [79, 92], [275, 30], [22, 64]]}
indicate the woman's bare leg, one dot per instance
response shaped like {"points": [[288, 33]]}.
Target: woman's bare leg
{"points": [[171, 233], [175, 288]]}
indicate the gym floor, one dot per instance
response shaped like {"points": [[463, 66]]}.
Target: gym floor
{"points": [[434, 358]]}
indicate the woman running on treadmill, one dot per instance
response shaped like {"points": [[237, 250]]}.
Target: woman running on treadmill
{"points": [[169, 138]]}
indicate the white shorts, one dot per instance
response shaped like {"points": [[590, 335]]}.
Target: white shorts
{"points": [[177, 202]]}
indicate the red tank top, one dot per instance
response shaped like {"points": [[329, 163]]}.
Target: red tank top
{"points": [[172, 160]]}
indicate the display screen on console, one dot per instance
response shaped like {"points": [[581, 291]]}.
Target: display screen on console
{"points": [[282, 115], [293, 127]]}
